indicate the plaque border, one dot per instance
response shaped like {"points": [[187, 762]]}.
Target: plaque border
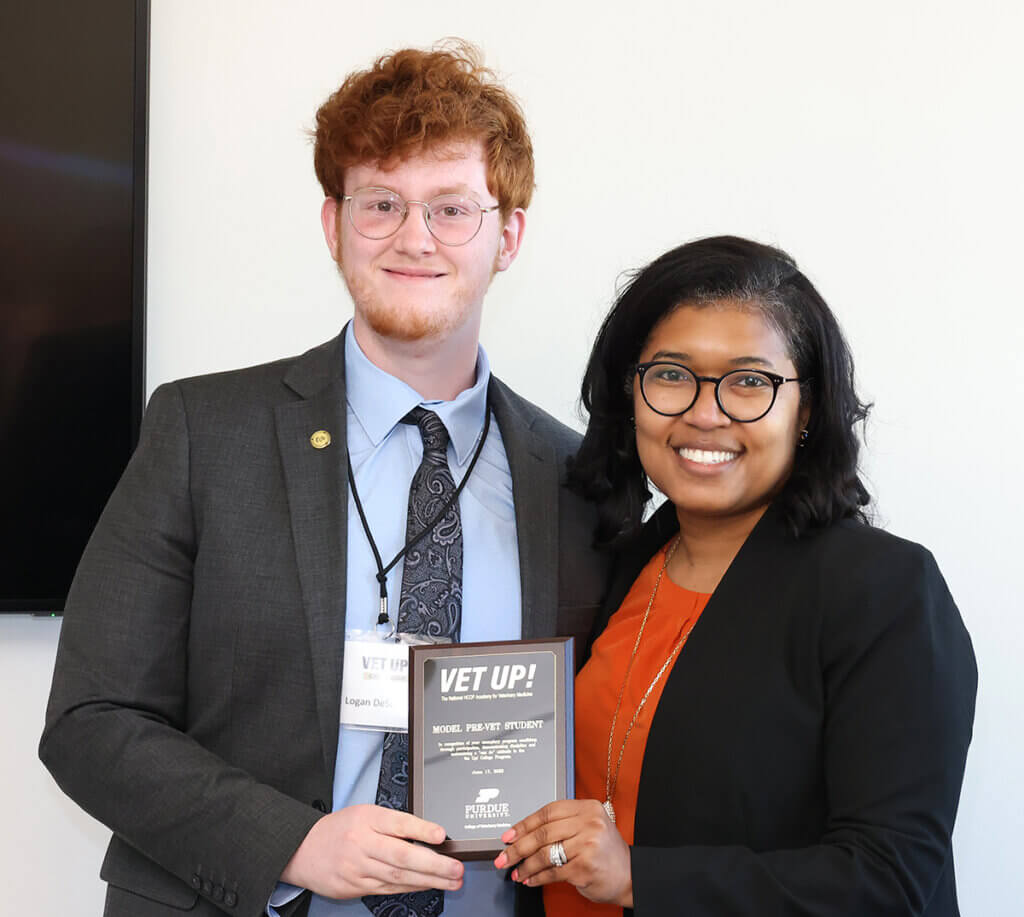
{"points": [[562, 648]]}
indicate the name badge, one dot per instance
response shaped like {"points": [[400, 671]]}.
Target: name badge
{"points": [[375, 684]]}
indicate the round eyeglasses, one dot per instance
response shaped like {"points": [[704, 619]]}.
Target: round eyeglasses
{"points": [[743, 395], [452, 219]]}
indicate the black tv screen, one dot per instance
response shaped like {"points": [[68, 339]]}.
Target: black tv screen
{"points": [[73, 86]]}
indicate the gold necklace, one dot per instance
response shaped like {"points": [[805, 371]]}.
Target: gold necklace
{"points": [[611, 781]]}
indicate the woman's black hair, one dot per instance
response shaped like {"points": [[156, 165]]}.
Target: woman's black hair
{"points": [[824, 485]]}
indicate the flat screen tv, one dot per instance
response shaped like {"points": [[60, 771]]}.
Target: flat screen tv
{"points": [[73, 89]]}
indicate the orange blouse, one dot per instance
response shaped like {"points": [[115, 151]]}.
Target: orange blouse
{"points": [[674, 612]]}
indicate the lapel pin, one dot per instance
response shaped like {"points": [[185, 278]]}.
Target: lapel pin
{"points": [[321, 439]]}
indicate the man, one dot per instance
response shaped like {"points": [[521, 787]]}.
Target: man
{"points": [[196, 699]]}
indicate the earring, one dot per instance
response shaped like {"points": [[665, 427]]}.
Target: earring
{"points": [[803, 438], [632, 421]]}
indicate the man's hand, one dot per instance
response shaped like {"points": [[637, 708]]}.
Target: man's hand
{"points": [[367, 850]]}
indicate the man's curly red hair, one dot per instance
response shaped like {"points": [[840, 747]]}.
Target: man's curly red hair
{"points": [[414, 101]]}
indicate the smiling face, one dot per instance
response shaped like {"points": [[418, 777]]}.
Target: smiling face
{"points": [[409, 286], [705, 463]]}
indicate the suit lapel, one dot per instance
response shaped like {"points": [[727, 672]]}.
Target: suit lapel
{"points": [[318, 500], [535, 478]]}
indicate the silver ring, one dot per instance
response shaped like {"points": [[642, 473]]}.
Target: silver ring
{"points": [[556, 853]]}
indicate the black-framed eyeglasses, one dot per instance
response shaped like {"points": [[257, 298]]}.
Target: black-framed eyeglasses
{"points": [[453, 219], [743, 395]]}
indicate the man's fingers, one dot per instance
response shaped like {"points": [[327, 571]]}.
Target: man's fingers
{"points": [[409, 882], [396, 861], [384, 877], [402, 824], [372, 886], [367, 849]]}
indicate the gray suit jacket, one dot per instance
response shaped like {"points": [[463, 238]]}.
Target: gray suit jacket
{"points": [[194, 707]]}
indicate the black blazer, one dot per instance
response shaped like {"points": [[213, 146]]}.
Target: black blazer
{"points": [[807, 753]]}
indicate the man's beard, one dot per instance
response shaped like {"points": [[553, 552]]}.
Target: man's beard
{"points": [[395, 322], [402, 324]]}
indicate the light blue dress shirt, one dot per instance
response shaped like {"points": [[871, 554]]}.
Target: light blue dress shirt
{"points": [[385, 453]]}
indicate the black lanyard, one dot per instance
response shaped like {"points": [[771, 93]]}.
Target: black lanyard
{"points": [[382, 571]]}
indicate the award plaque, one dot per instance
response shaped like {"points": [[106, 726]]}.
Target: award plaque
{"points": [[490, 737]]}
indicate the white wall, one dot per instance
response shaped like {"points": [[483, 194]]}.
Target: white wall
{"points": [[879, 142]]}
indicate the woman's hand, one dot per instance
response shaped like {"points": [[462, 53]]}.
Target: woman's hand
{"points": [[597, 858]]}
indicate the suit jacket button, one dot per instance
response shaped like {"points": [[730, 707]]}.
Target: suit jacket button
{"points": [[218, 892], [231, 899], [197, 883], [320, 805]]}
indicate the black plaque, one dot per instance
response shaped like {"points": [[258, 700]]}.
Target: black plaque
{"points": [[490, 737]]}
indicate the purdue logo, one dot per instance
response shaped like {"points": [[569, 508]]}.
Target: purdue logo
{"points": [[485, 807]]}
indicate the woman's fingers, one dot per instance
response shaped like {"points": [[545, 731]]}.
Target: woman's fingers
{"points": [[578, 835], [543, 827], [540, 868]]}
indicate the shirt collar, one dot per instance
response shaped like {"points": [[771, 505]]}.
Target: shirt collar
{"points": [[380, 400]]}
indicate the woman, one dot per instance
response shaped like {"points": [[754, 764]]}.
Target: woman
{"points": [[775, 714]]}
